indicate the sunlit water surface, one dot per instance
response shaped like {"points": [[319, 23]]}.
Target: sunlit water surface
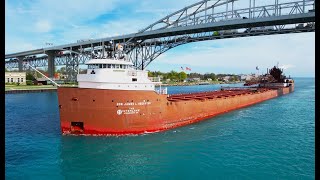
{"points": [[270, 140]]}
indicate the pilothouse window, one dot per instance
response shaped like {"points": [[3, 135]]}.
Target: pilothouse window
{"points": [[94, 66], [113, 66]]}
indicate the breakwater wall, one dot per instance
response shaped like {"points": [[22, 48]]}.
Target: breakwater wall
{"points": [[29, 91]]}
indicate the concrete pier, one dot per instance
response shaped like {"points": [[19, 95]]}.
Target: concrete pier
{"points": [[18, 91], [20, 61], [51, 67]]}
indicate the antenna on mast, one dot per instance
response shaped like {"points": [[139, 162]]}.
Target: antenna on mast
{"points": [[113, 46]]}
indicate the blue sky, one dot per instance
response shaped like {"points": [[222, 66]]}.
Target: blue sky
{"points": [[29, 24]]}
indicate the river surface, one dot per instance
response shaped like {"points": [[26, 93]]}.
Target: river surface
{"points": [[274, 139]]}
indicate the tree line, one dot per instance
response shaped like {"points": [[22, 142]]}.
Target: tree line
{"points": [[180, 76], [172, 75]]}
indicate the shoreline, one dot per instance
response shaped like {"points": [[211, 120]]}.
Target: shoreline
{"points": [[30, 89], [36, 89], [16, 91], [197, 84]]}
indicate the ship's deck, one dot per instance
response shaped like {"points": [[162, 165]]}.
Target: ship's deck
{"points": [[215, 94]]}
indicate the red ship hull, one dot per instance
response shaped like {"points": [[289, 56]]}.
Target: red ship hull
{"points": [[120, 112]]}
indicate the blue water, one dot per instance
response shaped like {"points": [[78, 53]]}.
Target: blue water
{"points": [[270, 140]]}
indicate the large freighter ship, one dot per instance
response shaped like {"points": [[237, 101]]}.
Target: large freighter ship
{"points": [[113, 98]]}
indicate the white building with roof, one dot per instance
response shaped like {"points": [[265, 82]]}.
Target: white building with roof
{"points": [[15, 77]]}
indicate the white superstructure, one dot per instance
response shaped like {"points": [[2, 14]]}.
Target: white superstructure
{"points": [[287, 82], [116, 74]]}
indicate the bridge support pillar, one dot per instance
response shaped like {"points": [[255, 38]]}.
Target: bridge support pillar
{"points": [[51, 67], [20, 65]]}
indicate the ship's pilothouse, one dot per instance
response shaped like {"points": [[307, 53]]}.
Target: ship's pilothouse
{"points": [[115, 74]]}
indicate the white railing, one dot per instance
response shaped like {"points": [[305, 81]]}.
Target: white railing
{"points": [[162, 91]]}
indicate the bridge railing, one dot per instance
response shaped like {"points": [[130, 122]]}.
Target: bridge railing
{"points": [[202, 16]]}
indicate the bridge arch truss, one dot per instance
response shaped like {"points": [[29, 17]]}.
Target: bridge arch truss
{"points": [[202, 21]]}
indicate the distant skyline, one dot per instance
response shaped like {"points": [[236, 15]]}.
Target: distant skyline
{"points": [[31, 24]]}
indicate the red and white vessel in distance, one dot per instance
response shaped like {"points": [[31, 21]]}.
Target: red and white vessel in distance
{"points": [[113, 98]]}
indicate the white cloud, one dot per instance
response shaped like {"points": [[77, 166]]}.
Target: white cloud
{"points": [[286, 66], [18, 45], [67, 21], [291, 50], [42, 26]]}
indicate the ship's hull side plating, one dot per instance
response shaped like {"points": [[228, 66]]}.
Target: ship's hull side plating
{"points": [[126, 112]]}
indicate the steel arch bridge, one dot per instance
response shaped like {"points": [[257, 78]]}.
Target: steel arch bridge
{"points": [[205, 20]]}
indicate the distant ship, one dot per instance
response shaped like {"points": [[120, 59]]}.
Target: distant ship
{"points": [[114, 99]]}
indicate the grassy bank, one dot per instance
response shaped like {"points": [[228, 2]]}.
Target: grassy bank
{"points": [[28, 87]]}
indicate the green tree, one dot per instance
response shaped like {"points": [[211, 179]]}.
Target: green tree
{"points": [[62, 70], [213, 76], [173, 75], [210, 75], [236, 78], [6, 70], [150, 74], [29, 76], [43, 72], [182, 76], [165, 76], [233, 78], [215, 33]]}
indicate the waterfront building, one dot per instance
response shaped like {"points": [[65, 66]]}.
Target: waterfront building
{"points": [[155, 79], [193, 79], [15, 77], [226, 79], [247, 77]]}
